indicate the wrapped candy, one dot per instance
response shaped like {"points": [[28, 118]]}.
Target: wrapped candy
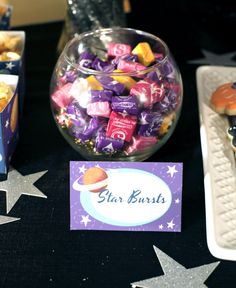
{"points": [[61, 97], [168, 103], [140, 143], [144, 53], [86, 59], [108, 145], [125, 104], [127, 57], [99, 109], [89, 131], [76, 115], [118, 49], [149, 123], [154, 76], [148, 92], [127, 81], [101, 95], [93, 83], [100, 65], [121, 126], [111, 84], [130, 66]]}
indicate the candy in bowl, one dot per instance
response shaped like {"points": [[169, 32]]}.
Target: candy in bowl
{"points": [[116, 94]]}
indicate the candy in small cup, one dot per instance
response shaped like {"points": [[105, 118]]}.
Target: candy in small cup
{"points": [[8, 119], [116, 94]]}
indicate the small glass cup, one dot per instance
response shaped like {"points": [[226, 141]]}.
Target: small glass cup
{"points": [[110, 114]]}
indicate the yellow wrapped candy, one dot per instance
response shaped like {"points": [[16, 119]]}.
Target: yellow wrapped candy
{"points": [[127, 81], [167, 122], [94, 83], [144, 53]]}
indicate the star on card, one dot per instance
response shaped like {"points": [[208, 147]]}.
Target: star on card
{"points": [[171, 224], [177, 201], [85, 220], [171, 170], [161, 227], [82, 169]]}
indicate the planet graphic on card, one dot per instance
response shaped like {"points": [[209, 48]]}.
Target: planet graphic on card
{"points": [[95, 179]]}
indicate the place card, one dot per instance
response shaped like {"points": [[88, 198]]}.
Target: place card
{"points": [[132, 196]]}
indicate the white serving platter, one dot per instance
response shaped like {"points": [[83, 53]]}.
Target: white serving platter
{"points": [[219, 165]]}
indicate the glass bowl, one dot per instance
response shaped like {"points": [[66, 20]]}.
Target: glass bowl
{"points": [[116, 94]]}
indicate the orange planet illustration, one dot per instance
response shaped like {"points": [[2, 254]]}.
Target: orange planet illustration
{"points": [[95, 178]]}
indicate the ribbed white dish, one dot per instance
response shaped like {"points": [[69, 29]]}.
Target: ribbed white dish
{"points": [[219, 165]]}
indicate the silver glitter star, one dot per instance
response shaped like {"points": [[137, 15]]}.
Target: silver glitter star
{"points": [[17, 184], [6, 219], [176, 275], [215, 59]]}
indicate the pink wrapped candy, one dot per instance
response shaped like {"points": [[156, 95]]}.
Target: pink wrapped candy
{"points": [[99, 109], [148, 92], [121, 126], [140, 143], [118, 49], [61, 97]]}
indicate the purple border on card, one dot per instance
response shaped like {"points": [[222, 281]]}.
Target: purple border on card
{"points": [[170, 173]]}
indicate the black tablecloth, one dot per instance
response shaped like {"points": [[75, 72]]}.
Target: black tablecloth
{"points": [[39, 250]]}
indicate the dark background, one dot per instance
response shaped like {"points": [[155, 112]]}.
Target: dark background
{"points": [[40, 250]]}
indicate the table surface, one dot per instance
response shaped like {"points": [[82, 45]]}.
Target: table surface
{"points": [[39, 250]]}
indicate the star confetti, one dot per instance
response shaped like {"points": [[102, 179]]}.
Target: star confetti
{"points": [[176, 275], [17, 184], [6, 219], [215, 59]]}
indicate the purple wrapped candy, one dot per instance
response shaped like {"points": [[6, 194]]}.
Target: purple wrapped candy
{"points": [[125, 104], [90, 130], [86, 59], [111, 84], [130, 57], [76, 115], [70, 76], [127, 57], [149, 123], [101, 95], [108, 145], [168, 103], [167, 69], [153, 75], [99, 65], [109, 68]]}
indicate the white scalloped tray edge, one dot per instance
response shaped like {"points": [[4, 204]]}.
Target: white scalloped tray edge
{"points": [[218, 164]]}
